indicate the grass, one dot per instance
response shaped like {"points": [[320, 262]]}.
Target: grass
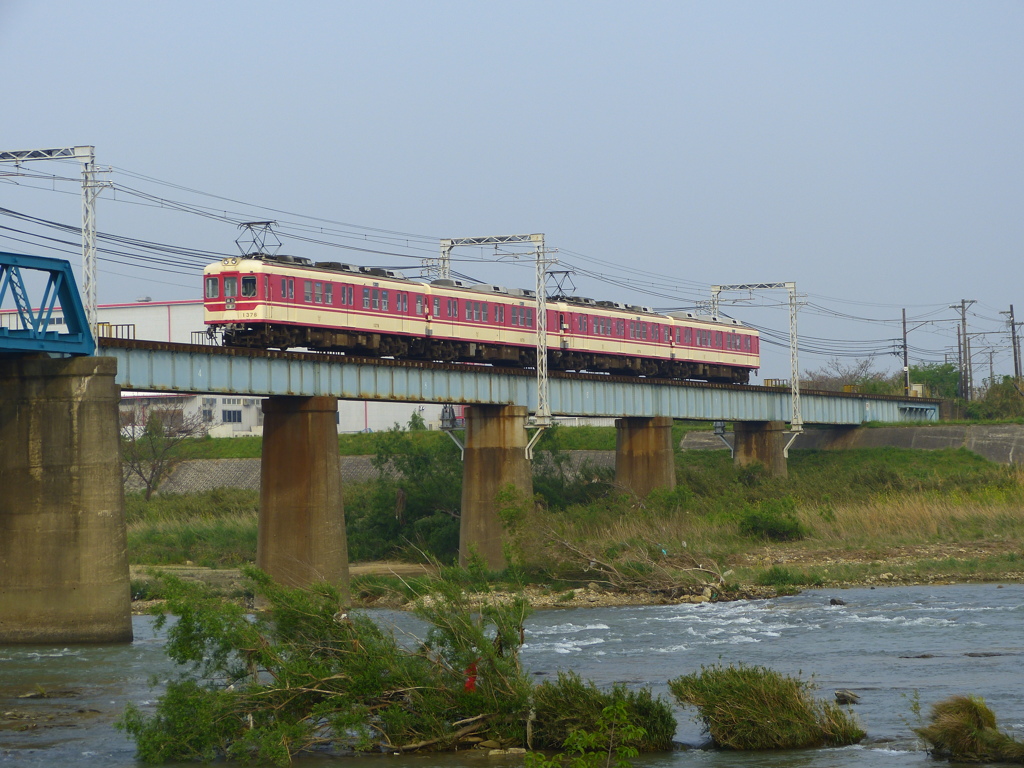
{"points": [[212, 529], [963, 728], [858, 506], [744, 707]]}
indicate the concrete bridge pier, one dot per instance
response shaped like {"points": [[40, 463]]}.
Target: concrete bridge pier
{"points": [[301, 539], [761, 442], [494, 457], [63, 560], [644, 459]]}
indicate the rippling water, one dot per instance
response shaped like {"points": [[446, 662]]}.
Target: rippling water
{"points": [[885, 644]]}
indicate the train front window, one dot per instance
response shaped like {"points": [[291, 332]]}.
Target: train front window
{"points": [[230, 286], [249, 286], [212, 287]]}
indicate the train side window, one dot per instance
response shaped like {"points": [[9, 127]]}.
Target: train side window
{"points": [[499, 314], [687, 336], [515, 315], [437, 307], [230, 286], [249, 286], [366, 298], [291, 287], [746, 343], [718, 339], [375, 299], [308, 291], [419, 305], [318, 293], [212, 287], [483, 312], [529, 318], [328, 293], [384, 303]]}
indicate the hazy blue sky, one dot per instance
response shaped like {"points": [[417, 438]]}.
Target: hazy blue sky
{"points": [[870, 151]]}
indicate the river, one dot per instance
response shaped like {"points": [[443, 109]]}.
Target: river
{"points": [[884, 644]]}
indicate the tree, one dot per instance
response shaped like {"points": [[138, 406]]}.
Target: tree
{"points": [[416, 499], [836, 374], [1002, 400], [939, 379], [151, 443]]}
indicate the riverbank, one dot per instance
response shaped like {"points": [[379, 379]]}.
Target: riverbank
{"points": [[991, 562]]}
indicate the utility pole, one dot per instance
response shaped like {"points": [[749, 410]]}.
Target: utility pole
{"points": [[542, 417], [91, 187], [906, 360], [1014, 342], [966, 375], [797, 422]]}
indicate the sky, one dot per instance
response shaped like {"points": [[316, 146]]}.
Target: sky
{"points": [[870, 152]]}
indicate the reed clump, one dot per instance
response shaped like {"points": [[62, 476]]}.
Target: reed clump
{"points": [[750, 707], [963, 728]]}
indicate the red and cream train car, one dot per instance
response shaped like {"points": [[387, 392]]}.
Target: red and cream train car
{"points": [[285, 302]]}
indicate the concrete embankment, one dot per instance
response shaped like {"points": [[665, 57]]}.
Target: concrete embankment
{"points": [[1001, 443]]}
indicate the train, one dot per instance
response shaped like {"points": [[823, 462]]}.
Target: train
{"points": [[289, 302]]}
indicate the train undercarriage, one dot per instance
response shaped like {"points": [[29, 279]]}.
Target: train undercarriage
{"points": [[284, 337]]}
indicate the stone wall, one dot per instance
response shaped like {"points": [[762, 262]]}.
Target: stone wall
{"points": [[1001, 443]]}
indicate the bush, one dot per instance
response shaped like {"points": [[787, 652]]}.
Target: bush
{"points": [[758, 708], [772, 519], [570, 705], [307, 674], [963, 728]]}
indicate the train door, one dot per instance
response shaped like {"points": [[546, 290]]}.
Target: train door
{"points": [[288, 299]]}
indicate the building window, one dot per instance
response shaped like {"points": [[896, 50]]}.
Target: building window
{"points": [[212, 287], [231, 417], [207, 415]]}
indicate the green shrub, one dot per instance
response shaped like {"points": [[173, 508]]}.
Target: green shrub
{"points": [[773, 520], [570, 705], [307, 672], [963, 728], [758, 708]]}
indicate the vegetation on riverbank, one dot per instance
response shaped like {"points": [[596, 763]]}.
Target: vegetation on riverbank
{"points": [[841, 517], [307, 674]]}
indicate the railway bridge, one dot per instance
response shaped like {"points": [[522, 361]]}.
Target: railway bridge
{"points": [[63, 565]]}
